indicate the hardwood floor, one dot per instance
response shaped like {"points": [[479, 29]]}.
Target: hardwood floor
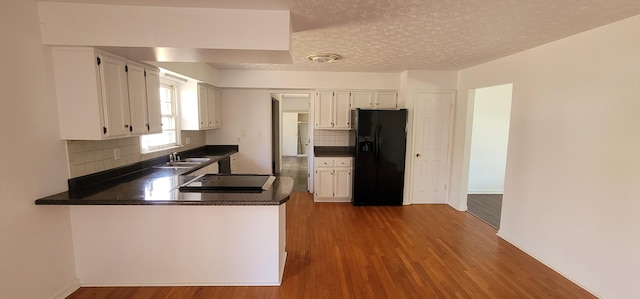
{"points": [[487, 207], [336, 250]]}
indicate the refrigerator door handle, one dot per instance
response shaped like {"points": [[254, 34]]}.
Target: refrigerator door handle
{"points": [[377, 145]]}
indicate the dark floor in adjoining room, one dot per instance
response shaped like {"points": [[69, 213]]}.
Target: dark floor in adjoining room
{"points": [[487, 207], [296, 168]]}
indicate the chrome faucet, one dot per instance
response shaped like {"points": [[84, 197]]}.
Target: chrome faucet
{"points": [[174, 157]]}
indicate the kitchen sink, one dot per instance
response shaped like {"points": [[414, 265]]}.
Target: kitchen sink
{"points": [[200, 160], [188, 162], [184, 163]]}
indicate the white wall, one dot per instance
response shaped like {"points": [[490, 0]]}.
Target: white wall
{"points": [[248, 111], [289, 134], [36, 253], [295, 103], [490, 134], [571, 195]]}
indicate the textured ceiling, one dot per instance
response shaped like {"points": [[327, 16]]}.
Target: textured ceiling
{"points": [[397, 35]]}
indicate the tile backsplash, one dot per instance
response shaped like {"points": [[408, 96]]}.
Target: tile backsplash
{"points": [[91, 156], [333, 138]]}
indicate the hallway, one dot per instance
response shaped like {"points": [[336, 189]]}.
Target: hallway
{"points": [[296, 168]]}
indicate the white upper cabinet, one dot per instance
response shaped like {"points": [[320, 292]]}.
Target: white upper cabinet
{"points": [[97, 97], [203, 112], [137, 99], [115, 98], [332, 110], [342, 110], [362, 99], [154, 112], [323, 109], [386, 100], [374, 99]]}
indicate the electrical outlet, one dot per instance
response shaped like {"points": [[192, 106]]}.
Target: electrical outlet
{"points": [[244, 133], [187, 140], [116, 153]]}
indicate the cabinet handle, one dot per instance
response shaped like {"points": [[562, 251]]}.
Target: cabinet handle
{"points": [[418, 155], [126, 126]]}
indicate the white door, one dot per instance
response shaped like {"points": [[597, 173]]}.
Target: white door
{"points": [[289, 134], [431, 139]]}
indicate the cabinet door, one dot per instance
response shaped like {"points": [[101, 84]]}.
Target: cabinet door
{"points": [[217, 110], [386, 100], [202, 107], [362, 100], [137, 99], [324, 182], [342, 184], [235, 164], [152, 84], [115, 99], [211, 107], [324, 110], [342, 110]]}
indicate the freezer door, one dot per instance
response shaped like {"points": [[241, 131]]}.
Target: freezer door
{"points": [[391, 150]]}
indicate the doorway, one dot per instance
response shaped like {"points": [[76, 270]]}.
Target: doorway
{"points": [[490, 121], [295, 141]]}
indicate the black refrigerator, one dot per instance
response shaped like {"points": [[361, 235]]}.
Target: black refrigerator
{"points": [[381, 138]]}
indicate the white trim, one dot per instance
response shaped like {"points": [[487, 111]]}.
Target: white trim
{"points": [[310, 154], [73, 286], [411, 147], [486, 191]]}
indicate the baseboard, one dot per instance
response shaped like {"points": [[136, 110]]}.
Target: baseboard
{"points": [[503, 237], [68, 290], [331, 199], [183, 284], [486, 191]]}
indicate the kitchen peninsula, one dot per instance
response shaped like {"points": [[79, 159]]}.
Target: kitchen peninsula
{"points": [[140, 229]]}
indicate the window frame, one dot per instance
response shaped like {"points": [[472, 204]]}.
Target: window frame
{"points": [[175, 88]]}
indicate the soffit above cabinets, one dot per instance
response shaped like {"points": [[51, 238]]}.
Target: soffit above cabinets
{"points": [[398, 35]]}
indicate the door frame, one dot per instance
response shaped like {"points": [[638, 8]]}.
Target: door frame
{"points": [[310, 154], [411, 103]]}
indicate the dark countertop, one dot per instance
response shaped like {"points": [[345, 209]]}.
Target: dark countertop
{"points": [[144, 184], [334, 151]]}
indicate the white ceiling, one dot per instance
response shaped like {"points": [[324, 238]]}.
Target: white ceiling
{"points": [[397, 35]]}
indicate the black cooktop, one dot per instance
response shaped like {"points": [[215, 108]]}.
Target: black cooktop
{"points": [[228, 183]]}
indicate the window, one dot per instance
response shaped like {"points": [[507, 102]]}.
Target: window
{"points": [[170, 131]]}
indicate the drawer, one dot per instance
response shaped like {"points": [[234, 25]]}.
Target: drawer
{"points": [[321, 162], [343, 162]]}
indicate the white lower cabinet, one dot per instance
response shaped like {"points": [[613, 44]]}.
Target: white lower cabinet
{"points": [[235, 164], [333, 179]]}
